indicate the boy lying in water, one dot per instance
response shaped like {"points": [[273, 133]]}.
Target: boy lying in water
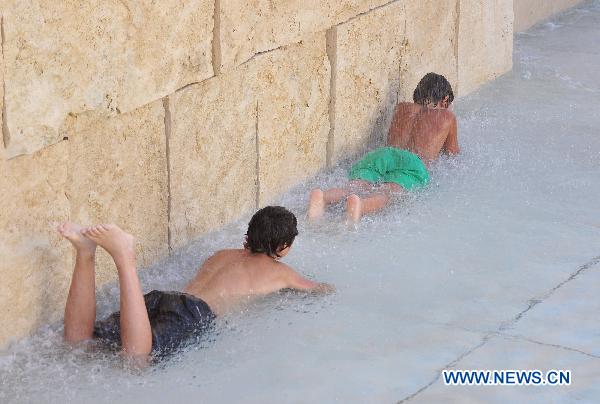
{"points": [[418, 133], [161, 321]]}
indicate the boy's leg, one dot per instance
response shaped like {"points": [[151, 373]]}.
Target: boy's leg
{"points": [[357, 207], [80, 310], [136, 335], [319, 199]]}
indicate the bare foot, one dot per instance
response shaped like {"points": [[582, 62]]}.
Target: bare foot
{"points": [[119, 244], [316, 205], [353, 209], [72, 232]]}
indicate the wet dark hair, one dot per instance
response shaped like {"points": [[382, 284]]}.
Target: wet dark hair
{"points": [[432, 89], [271, 229]]}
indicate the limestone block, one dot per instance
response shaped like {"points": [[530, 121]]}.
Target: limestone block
{"points": [[118, 173], [254, 26], [69, 56], [2, 129], [212, 148], [35, 264], [293, 119], [430, 43], [530, 12], [366, 53], [485, 42]]}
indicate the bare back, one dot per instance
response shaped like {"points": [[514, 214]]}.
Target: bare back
{"points": [[424, 131], [232, 277]]}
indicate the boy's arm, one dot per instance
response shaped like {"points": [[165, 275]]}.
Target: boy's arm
{"points": [[295, 281], [451, 143]]}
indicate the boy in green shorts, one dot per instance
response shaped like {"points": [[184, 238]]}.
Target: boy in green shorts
{"points": [[419, 132]]}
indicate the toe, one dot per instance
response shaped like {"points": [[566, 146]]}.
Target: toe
{"points": [[105, 228]]}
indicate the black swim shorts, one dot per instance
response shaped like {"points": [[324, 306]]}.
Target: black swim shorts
{"points": [[175, 318]]}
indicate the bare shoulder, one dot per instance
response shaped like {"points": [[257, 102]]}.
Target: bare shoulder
{"points": [[281, 268], [450, 119], [442, 117], [229, 251], [223, 255], [282, 271], [407, 108], [447, 114]]}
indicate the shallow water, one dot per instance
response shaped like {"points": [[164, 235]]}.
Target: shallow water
{"points": [[443, 278]]}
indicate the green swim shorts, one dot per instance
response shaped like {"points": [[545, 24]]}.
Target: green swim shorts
{"points": [[390, 164]]}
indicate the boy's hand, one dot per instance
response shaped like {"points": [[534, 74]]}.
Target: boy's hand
{"points": [[323, 288]]}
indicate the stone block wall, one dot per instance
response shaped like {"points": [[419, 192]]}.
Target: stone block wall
{"points": [[485, 44], [116, 173], [529, 12], [174, 118], [68, 57], [35, 264]]}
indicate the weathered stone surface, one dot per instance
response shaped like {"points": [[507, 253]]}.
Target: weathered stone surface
{"points": [[293, 119], [212, 147], [366, 55], [35, 264], [2, 129], [529, 12], [69, 57], [258, 25], [118, 174], [485, 42], [430, 43]]}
